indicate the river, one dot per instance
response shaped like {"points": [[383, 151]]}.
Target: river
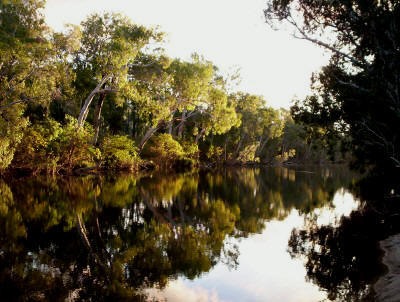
{"points": [[268, 234]]}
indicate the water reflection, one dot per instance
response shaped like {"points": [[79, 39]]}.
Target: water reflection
{"points": [[344, 259], [265, 271], [112, 237]]}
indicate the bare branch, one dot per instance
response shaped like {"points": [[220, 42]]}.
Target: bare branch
{"points": [[305, 36], [107, 90], [141, 65], [14, 103], [353, 85]]}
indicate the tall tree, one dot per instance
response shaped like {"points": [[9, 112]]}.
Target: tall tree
{"points": [[25, 69], [218, 115], [109, 44], [360, 86]]}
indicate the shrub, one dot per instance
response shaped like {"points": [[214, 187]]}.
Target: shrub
{"points": [[248, 154], [164, 150], [12, 126], [119, 152], [191, 150], [215, 154], [73, 148], [49, 146], [34, 152]]}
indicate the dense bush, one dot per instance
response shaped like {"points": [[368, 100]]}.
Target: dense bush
{"points": [[35, 153], [74, 146], [119, 152], [12, 125], [191, 150], [164, 150], [248, 154], [215, 154], [48, 146]]}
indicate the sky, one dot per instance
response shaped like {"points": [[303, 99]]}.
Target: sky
{"points": [[230, 33]]}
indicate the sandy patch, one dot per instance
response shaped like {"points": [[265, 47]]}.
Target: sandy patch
{"points": [[387, 288]]}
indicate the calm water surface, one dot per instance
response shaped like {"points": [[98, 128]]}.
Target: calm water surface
{"points": [[271, 234]]}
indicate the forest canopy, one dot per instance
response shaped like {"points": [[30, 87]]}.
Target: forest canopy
{"points": [[103, 95]]}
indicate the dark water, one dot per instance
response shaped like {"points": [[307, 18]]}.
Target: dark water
{"points": [[237, 235]]}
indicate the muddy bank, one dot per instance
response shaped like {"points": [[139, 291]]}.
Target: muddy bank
{"points": [[387, 288]]}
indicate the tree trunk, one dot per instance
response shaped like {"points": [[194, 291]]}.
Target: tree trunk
{"points": [[199, 135], [239, 145], [225, 151], [182, 124], [146, 137], [171, 123], [85, 108], [97, 117], [261, 147]]}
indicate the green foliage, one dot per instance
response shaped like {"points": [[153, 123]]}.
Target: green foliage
{"points": [[218, 116], [190, 81], [25, 75], [50, 147], [74, 147], [110, 41], [164, 150], [108, 46], [215, 154], [47, 78], [256, 133], [190, 150], [34, 153], [248, 154], [119, 152], [12, 125]]}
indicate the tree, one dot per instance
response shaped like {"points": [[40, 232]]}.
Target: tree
{"points": [[358, 90], [217, 116], [273, 123], [191, 85], [254, 129], [109, 44], [26, 72], [151, 107], [248, 107], [182, 98]]}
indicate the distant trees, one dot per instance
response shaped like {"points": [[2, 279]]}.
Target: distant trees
{"points": [[357, 93]]}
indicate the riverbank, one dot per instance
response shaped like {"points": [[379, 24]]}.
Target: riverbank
{"points": [[387, 287]]}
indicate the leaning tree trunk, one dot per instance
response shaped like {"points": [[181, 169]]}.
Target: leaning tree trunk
{"points": [[238, 147], [85, 108], [97, 117], [261, 147], [171, 122], [182, 124], [199, 135], [147, 136]]}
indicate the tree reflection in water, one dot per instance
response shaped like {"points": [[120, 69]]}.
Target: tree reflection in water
{"points": [[345, 260], [100, 238]]}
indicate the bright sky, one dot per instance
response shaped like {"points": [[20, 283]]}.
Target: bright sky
{"points": [[230, 33]]}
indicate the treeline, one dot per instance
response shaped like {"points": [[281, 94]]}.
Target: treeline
{"points": [[103, 95]]}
